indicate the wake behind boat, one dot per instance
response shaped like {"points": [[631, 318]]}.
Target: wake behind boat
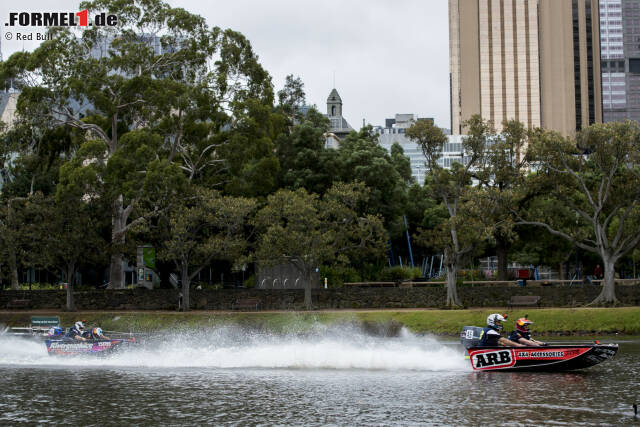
{"points": [[554, 357]]}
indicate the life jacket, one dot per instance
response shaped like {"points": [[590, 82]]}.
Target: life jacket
{"points": [[516, 335], [489, 338], [72, 332]]}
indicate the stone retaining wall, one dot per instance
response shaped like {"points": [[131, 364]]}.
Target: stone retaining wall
{"points": [[293, 299]]}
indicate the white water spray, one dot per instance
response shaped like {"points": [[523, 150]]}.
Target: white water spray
{"points": [[226, 348]]}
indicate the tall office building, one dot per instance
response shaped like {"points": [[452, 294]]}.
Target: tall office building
{"points": [[537, 61], [620, 41]]}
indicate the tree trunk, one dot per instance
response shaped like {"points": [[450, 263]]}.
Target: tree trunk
{"points": [[117, 242], [116, 272], [502, 251], [608, 293], [307, 289], [186, 283], [71, 305], [452, 286], [13, 266]]}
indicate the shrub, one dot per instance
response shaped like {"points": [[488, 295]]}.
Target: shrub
{"points": [[394, 274], [39, 286], [471, 275], [337, 274], [250, 282]]}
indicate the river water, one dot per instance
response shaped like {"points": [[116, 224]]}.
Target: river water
{"points": [[323, 377]]}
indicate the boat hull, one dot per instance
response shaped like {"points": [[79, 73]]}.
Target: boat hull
{"points": [[548, 358], [79, 348]]}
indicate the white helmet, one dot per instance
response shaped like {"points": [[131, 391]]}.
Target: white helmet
{"points": [[79, 325], [495, 321]]}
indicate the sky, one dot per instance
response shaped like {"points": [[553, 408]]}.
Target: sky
{"points": [[385, 56]]}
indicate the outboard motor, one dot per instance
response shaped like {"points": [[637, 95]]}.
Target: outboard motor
{"points": [[470, 336]]}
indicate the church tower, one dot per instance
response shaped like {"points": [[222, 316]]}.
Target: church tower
{"points": [[334, 104], [338, 128]]}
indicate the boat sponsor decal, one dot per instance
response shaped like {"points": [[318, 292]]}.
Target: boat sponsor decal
{"points": [[538, 354], [550, 354], [492, 359], [70, 346]]}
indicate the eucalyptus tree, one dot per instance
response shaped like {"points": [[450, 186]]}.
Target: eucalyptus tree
{"points": [[291, 99], [460, 233], [161, 69], [501, 175], [595, 176]]}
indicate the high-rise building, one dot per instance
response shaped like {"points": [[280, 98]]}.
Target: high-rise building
{"points": [[620, 42], [536, 61]]}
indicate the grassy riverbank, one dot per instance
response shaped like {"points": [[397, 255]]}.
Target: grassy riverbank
{"points": [[578, 321]]}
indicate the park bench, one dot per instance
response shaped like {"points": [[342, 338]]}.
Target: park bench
{"points": [[246, 304], [524, 300], [19, 303]]}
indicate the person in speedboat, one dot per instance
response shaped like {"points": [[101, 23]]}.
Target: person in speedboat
{"points": [[75, 332], [97, 334], [491, 336], [522, 334]]}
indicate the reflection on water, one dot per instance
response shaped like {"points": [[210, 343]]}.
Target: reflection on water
{"points": [[324, 377]]}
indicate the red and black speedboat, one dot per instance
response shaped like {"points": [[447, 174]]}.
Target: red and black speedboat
{"points": [[554, 357]]}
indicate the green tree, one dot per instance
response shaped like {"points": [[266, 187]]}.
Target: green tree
{"points": [[291, 99], [304, 160], [362, 159], [307, 231], [596, 177], [67, 231], [401, 163], [25, 169], [140, 182], [462, 230], [12, 234], [108, 82], [205, 227], [501, 175]]}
